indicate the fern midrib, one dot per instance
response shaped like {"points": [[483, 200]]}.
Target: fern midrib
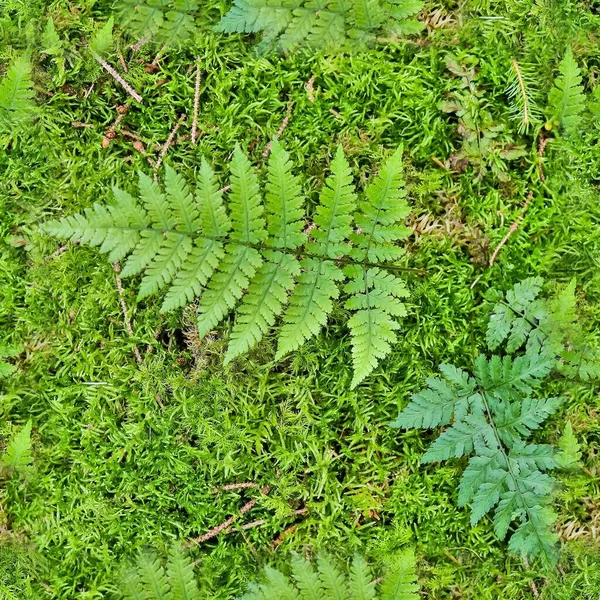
{"points": [[344, 260]]}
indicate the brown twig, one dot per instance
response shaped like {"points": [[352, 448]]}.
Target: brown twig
{"points": [[79, 125], [168, 143], [136, 47], [227, 523], [196, 104], [123, 63], [541, 148], [512, 229], [117, 268], [118, 78], [281, 129], [154, 63], [310, 89], [235, 486]]}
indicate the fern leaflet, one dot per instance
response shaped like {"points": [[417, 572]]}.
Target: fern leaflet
{"points": [[16, 95], [17, 457], [491, 414]]}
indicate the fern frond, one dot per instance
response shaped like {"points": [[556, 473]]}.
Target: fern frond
{"points": [[241, 262], [566, 100], [400, 580], [206, 252], [376, 294], [16, 94], [17, 457], [180, 571], [306, 579], [289, 24], [332, 579], [570, 450], [523, 318], [493, 415], [311, 300], [102, 41], [360, 582], [329, 582], [166, 21], [155, 582], [190, 246], [7, 369]]}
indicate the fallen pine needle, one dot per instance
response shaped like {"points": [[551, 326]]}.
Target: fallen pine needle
{"points": [[196, 104], [168, 143], [282, 128], [512, 229], [117, 268]]}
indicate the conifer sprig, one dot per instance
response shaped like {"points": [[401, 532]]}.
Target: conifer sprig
{"points": [[252, 256]]}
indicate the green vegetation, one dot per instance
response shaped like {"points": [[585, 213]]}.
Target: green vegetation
{"points": [[129, 432]]}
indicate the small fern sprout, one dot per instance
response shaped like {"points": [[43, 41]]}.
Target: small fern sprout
{"points": [[17, 458], [566, 100], [324, 580], [251, 256]]}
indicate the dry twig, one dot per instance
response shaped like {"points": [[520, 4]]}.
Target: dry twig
{"points": [[227, 523], [117, 268], [282, 128], [168, 143], [196, 104], [512, 229]]}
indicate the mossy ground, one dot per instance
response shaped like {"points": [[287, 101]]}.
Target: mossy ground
{"points": [[129, 456]]}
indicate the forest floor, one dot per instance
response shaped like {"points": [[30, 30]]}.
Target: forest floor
{"points": [[138, 427]]}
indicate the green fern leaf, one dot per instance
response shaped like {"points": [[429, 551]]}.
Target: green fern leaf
{"points": [[289, 24], [16, 95], [360, 582], [17, 457], [332, 579], [102, 41], [180, 571], [460, 439], [476, 474], [155, 582], [269, 289], [376, 293], [189, 246], [132, 587], [566, 100], [311, 300], [307, 581], [488, 494], [514, 314], [208, 251], [442, 399], [241, 261], [166, 21], [515, 420], [570, 450], [400, 581], [534, 537]]}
